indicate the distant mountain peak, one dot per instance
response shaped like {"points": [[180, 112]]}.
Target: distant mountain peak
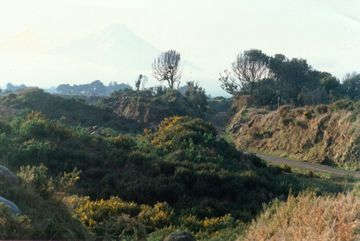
{"points": [[116, 45], [117, 28]]}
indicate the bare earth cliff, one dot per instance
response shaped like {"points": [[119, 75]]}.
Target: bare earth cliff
{"points": [[324, 133]]}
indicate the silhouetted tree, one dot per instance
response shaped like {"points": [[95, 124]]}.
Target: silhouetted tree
{"points": [[351, 86], [166, 68], [275, 80], [140, 82], [249, 67], [229, 83], [197, 97]]}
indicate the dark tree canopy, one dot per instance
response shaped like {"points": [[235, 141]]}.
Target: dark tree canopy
{"points": [[166, 68], [275, 80], [197, 97], [351, 86], [95, 88]]}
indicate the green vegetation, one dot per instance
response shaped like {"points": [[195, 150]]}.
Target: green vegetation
{"points": [[149, 107], [71, 111], [44, 215], [182, 176], [277, 80], [95, 88], [142, 164]]}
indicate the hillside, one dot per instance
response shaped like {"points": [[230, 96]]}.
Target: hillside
{"points": [[182, 176], [167, 164], [308, 217], [149, 107], [324, 133], [43, 214], [73, 111]]}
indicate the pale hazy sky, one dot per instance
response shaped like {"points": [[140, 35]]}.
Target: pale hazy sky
{"points": [[208, 33]]}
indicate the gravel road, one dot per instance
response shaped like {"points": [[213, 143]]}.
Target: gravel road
{"points": [[308, 166]]}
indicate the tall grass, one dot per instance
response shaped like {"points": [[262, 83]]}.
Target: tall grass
{"points": [[308, 217]]}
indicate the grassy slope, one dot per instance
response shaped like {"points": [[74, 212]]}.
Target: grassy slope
{"points": [[147, 109], [317, 134], [69, 110], [308, 217]]}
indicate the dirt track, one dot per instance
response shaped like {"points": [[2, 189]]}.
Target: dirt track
{"points": [[308, 166]]}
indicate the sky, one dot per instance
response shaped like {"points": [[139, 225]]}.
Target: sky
{"points": [[207, 33]]}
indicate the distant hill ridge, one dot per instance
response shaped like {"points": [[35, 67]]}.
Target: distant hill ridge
{"points": [[73, 111], [95, 88]]}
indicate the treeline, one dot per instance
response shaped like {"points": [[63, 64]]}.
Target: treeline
{"points": [[270, 80], [95, 88], [277, 80], [12, 88]]}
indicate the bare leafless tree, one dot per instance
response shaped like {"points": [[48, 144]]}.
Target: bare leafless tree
{"points": [[166, 68], [250, 67]]}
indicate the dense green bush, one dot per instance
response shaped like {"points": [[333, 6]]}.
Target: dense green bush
{"points": [[43, 214], [181, 132], [116, 219], [202, 178], [13, 226], [37, 178]]}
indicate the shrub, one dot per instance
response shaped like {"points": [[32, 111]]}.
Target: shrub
{"points": [[309, 114], [37, 126], [115, 218], [214, 224], [13, 226], [286, 121], [300, 111], [342, 105], [42, 216], [34, 126], [284, 110], [67, 181], [321, 109], [36, 178], [301, 123], [286, 168], [180, 132], [217, 223], [123, 142]]}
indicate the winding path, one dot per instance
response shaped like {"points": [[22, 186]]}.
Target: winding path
{"points": [[309, 166]]}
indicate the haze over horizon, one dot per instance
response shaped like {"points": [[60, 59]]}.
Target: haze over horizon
{"points": [[45, 43]]}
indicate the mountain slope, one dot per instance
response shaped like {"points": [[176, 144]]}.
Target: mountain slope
{"points": [[116, 45]]}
